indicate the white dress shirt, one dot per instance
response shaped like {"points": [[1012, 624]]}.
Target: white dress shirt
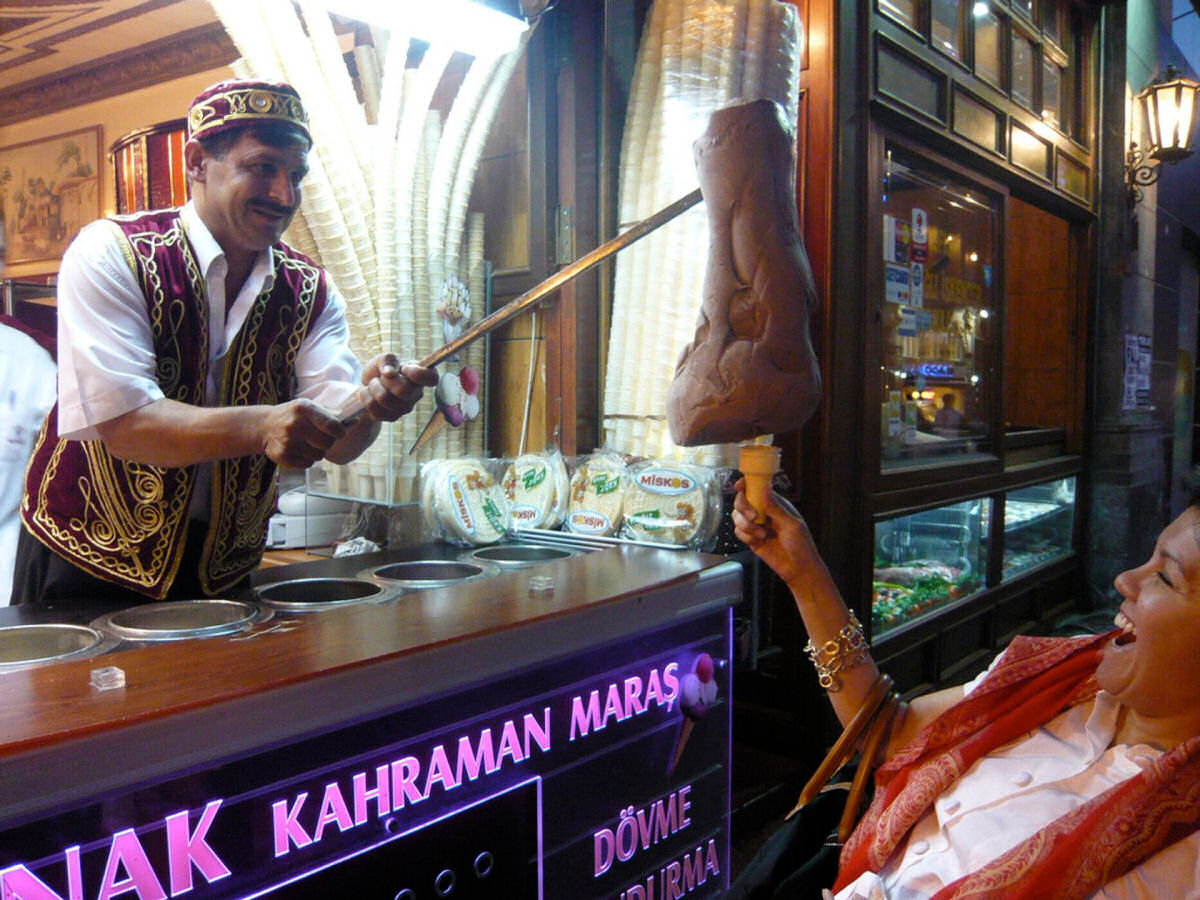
{"points": [[26, 394], [105, 349], [1011, 793]]}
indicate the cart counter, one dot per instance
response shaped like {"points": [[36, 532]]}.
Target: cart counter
{"points": [[479, 739]]}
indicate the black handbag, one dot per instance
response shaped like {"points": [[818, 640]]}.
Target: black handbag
{"points": [[801, 857]]}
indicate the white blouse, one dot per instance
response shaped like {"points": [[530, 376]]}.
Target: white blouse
{"points": [[1011, 793]]}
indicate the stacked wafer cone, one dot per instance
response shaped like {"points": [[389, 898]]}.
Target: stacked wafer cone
{"points": [[695, 56], [385, 202]]}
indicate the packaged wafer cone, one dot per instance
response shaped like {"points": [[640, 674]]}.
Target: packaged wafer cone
{"points": [[597, 494], [463, 502], [536, 486], [669, 502]]}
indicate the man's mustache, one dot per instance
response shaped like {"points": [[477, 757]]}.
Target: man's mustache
{"points": [[273, 209]]}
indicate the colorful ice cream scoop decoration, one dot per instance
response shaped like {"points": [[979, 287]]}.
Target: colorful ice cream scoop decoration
{"points": [[453, 308], [457, 399], [697, 691], [457, 395]]}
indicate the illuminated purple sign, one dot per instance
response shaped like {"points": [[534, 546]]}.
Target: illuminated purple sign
{"points": [[580, 778], [128, 867]]}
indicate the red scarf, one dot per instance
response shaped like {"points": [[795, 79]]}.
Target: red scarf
{"points": [[1075, 855]]}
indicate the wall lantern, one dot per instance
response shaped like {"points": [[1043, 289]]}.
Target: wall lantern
{"points": [[1168, 104]]}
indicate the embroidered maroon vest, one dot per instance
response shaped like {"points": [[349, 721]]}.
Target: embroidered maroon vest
{"points": [[127, 522]]}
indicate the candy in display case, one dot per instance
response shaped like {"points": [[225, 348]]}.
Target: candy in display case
{"points": [[926, 560], [1039, 524]]}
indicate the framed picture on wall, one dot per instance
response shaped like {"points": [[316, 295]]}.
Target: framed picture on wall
{"points": [[49, 189]]}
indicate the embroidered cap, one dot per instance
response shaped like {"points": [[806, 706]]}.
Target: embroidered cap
{"points": [[233, 104]]}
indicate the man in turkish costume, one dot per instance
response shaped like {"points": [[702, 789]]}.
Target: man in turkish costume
{"points": [[197, 353]]}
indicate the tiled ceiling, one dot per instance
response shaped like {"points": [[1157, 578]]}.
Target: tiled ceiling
{"points": [[59, 53]]}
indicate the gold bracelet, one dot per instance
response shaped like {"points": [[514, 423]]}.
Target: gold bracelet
{"points": [[838, 654]]}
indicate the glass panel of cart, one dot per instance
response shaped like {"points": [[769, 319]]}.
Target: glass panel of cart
{"points": [[925, 561], [1038, 525]]}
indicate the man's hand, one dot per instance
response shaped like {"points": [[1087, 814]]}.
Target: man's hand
{"points": [[298, 433], [391, 390], [171, 434]]}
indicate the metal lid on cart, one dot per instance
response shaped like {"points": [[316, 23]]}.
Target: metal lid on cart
{"points": [[175, 620], [428, 573], [319, 593], [23, 646], [519, 554]]}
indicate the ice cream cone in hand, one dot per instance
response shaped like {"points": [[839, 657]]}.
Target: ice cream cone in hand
{"points": [[758, 464], [435, 424]]}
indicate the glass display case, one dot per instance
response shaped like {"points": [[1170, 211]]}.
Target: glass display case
{"points": [[936, 314], [925, 560], [1038, 525]]}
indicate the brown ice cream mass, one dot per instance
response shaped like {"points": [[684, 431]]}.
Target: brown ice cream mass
{"points": [[750, 370]]}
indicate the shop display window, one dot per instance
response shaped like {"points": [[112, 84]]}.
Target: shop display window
{"points": [[936, 315], [1024, 63], [926, 560], [1055, 103], [903, 11], [948, 24], [1038, 525], [989, 51], [1052, 22]]}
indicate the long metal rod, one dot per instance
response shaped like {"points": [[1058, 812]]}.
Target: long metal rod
{"points": [[357, 403]]}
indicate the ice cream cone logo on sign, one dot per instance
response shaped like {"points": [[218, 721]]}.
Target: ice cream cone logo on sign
{"points": [[697, 692], [918, 251]]}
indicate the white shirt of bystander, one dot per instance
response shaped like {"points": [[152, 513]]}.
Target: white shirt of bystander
{"points": [[26, 394]]}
